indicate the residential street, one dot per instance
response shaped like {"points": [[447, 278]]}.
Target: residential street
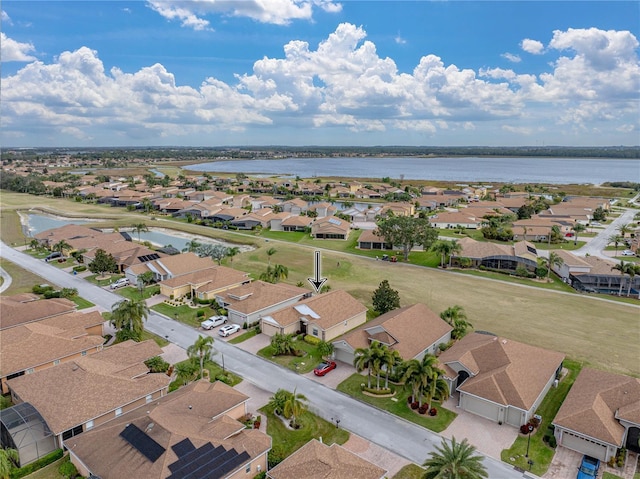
{"points": [[388, 431]]}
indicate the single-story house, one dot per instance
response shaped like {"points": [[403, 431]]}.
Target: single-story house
{"points": [[248, 303], [413, 331], [192, 432], [228, 214], [600, 414], [78, 395], [254, 219], [316, 460], [295, 223], [464, 218], [602, 278], [499, 379], [325, 316], [330, 227], [169, 266], [203, 284], [370, 240], [37, 345], [125, 253], [24, 308], [497, 256], [295, 206], [323, 209]]}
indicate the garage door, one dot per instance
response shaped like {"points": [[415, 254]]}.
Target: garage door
{"points": [[584, 446], [344, 356], [480, 407], [269, 329]]}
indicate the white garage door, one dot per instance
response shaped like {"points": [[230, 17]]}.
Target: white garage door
{"points": [[269, 329], [584, 446], [480, 407], [344, 356]]}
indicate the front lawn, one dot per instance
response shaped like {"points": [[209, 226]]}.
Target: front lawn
{"points": [[185, 314], [539, 452], [305, 363], [410, 471], [215, 374], [111, 277], [244, 336], [160, 341], [398, 404], [286, 441], [608, 475], [81, 303], [131, 292]]}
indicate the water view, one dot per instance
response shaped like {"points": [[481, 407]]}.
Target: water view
{"points": [[502, 170]]}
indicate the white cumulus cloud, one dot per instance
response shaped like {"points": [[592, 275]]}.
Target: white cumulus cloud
{"points": [[6, 18], [279, 12], [13, 51], [532, 46], [513, 58]]}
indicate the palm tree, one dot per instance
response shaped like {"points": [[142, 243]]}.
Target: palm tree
{"points": [[418, 373], [624, 229], [270, 253], [278, 400], [186, 371], [294, 407], [201, 350], [553, 260], [616, 240], [631, 269], [128, 317], [232, 251], [443, 248], [191, 246], [35, 244], [9, 460], [140, 228], [455, 461], [622, 267], [363, 359], [380, 357], [437, 388], [577, 229], [147, 204], [60, 246], [457, 319]]}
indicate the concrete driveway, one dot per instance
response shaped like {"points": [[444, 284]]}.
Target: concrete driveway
{"points": [[335, 377], [487, 436]]}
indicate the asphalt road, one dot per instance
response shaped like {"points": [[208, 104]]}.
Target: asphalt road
{"points": [[395, 434]]}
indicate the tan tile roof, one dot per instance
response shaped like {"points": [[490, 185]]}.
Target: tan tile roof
{"points": [[571, 259], [330, 224], [370, 236], [211, 279], [332, 308], [295, 220], [76, 391], [258, 295], [503, 371], [99, 240], [40, 342], [66, 232], [13, 313], [594, 401], [453, 217], [179, 264], [409, 330], [316, 460], [168, 421], [599, 266]]}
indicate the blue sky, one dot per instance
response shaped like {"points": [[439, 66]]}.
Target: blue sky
{"points": [[319, 72]]}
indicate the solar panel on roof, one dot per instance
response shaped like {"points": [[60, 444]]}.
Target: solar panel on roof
{"points": [[183, 447], [334, 221], [177, 467], [227, 467], [146, 446]]}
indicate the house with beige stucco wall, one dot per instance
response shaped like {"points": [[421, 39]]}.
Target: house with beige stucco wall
{"points": [[203, 284]]}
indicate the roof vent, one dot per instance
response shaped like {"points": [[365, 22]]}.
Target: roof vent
{"points": [[149, 427]]}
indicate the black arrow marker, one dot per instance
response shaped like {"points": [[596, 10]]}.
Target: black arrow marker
{"points": [[317, 282]]}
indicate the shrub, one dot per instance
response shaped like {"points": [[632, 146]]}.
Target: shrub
{"points": [[414, 405], [552, 442], [275, 456], [41, 288], [312, 340], [423, 409], [534, 421], [34, 466], [52, 294], [80, 268], [157, 365], [524, 429], [200, 313], [68, 470], [433, 412]]}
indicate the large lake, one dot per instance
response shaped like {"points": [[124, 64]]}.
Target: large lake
{"points": [[499, 170]]}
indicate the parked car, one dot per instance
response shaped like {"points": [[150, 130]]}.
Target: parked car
{"points": [[120, 283], [324, 367], [628, 252], [588, 467], [228, 330], [595, 223], [54, 255], [213, 321]]}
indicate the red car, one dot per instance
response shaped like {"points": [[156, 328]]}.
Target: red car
{"points": [[324, 367]]}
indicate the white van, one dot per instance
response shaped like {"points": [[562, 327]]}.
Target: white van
{"points": [[120, 283]]}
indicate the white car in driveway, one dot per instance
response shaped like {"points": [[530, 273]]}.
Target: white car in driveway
{"points": [[228, 330], [213, 321], [628, 252]]}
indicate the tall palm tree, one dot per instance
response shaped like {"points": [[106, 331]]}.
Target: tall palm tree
{"points": [[455, 461], [418, 373], [437, 388], [140, 228], [623, 230], [147, 204], [201, 350], [622, 267], [457, 319], [616, 240], [380, 357], [278, 400], [128, 317], [232, 251], [553, 260], [280, 272], [443, 248], [186, 371], [9, 460], [60, 246], [295, 406], [631, 269], [363, 359], [191, 246], [577, 229], [270, 253]]}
